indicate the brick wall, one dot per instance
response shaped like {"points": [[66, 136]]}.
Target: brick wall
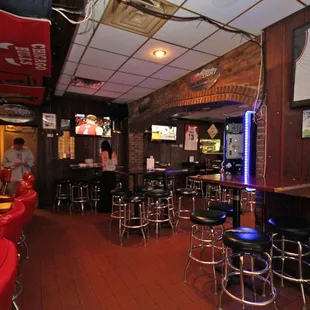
{"points": [[239, 71]]}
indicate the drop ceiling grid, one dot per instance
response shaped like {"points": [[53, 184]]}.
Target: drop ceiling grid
{"points": [[78, 51]]}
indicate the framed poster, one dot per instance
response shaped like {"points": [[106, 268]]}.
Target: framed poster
{"points": [[49, 121], [64, 124], [301, 63], [191, 138], [306, 124]]}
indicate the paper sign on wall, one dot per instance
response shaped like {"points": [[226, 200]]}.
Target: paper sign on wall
{"points": [[191, 138], [212, 131]]}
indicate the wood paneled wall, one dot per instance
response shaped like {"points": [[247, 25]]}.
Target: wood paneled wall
{"points": [[49, 167], [287, 152], [169, 153]]}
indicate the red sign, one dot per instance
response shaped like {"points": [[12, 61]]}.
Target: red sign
{"points": [[25, 45], [21, 94]]}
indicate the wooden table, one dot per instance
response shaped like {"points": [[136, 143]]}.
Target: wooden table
{"points": [[237, 183], [157, 172]]}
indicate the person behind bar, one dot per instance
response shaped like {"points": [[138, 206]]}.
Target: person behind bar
{"points": [[108, 177], [20, 160]]}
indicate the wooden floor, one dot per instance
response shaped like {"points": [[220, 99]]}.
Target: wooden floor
{"points": [[76, 264]]}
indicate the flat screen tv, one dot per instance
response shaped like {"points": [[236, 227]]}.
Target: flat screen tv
{"points": [[164, 133], [92, 125]]}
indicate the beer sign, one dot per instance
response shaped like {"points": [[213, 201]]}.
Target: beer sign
{"points": [[204, 79]]}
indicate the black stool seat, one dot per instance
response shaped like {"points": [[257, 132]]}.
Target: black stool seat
{"points": [[186, 191], [224, 207], [133, 198], [79, 183], [290, 225], [118, 192], [244, 239], [208, 218], [158, 193], [144, 189]]}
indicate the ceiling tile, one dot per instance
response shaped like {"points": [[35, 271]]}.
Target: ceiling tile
{"points": [[140, 67], [146, 51], [192, 60], [98, 9], [69, 68], [114, 87], [140, 91], [106, 93], [271, 10], [102, 59], [186, 34], [61, 87], [153, 83], [129, 97], [84, 32], [220, 43], [65, 79], [81, 90], [176, 2], [307, 2], [216, 10], [126, 78], [75, 52], [59, 92], [170, 73], [112, 39], [93, 73]]}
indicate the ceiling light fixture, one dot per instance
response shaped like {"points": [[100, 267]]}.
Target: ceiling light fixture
{"points": [[224, 3], [159, 53]]}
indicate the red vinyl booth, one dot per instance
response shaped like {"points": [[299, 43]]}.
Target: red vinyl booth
{"points": [[12, 222], [29, 178], [29, 199], [5, 178], [8, 273]]}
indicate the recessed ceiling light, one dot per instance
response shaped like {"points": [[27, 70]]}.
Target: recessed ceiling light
{"points": [[223, 3], [159, 53]]}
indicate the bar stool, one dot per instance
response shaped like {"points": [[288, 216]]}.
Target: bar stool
{"points": [[135, 217], [160, 209], [226, 194], [255, 245], [95, 193], [117, 212], [63, 189], [204, 236], [287, 232], [250, 195], [182, 213], [79, 194], [213, 193]]}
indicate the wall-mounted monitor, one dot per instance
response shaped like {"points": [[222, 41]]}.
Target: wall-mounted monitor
{"points": [[164, 133], [92, 125]]}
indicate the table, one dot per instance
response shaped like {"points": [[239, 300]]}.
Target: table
{"points": [[158, 171], [237, 183]]}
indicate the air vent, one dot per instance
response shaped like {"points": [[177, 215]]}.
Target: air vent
{"points": [[81, 82], [128, 18]]}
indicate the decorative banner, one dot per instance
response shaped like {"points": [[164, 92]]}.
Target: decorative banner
{"points": [[21, 94], [25, 45], [204, 79], [16, 114], [212, 131], [191, 138]]}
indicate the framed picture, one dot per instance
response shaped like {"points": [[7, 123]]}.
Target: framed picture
{"points": [[306, 124], [64, 124], [301, 66], [49, 121]]}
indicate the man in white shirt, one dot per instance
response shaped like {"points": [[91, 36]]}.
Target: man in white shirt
{"points": [[20, 160]]}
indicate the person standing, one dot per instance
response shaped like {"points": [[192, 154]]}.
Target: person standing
{"points": [[108, 176], [19, 160]]}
